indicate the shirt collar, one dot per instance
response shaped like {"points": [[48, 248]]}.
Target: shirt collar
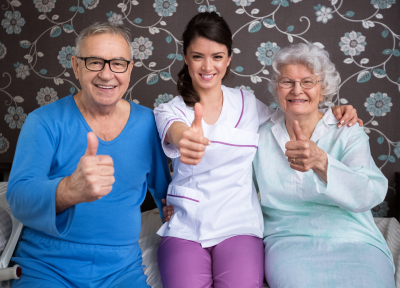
{"points": [[323, 126]]}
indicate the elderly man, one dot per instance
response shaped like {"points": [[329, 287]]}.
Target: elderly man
{"points": [[81, 171]]}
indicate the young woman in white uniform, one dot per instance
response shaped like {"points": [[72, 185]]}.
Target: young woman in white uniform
{"points": [[214, 238]]}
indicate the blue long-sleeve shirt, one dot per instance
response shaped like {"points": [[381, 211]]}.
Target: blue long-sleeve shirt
{"points": [[50, 145]]}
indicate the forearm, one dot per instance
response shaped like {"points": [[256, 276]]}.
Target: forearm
{"points": [[64, 199], [175, 133], [321, 168]]}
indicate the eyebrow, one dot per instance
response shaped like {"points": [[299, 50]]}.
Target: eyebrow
{"points": [[117, 58], [294, 80], [194, 52]]}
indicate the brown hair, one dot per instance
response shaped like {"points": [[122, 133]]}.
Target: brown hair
{"points": [[213, 27]]}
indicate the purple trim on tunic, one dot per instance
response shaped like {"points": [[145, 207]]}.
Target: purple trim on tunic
{"points": [[241, 114], [183, 197], [167, 126], [223, 143], [181, 111]]}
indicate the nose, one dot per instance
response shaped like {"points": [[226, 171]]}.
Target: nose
{"points": [[106, 73], [206, 65], [297, 89]]}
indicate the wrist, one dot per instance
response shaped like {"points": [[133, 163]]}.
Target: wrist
{"points": [[63, 195], [321, 168]]}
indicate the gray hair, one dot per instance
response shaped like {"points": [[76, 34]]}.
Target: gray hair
{"points": [[312, 56], [103, 28]]}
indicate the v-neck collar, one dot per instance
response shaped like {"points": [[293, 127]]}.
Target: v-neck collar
{"points": [[222, 114], [101, 141]]}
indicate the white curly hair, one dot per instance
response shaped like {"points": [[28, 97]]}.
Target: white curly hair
{"points": [[312, 56]]}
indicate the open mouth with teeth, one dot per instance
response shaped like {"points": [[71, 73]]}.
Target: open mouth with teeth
{"points": [[207, 77], [105, 87], [298, 101]]}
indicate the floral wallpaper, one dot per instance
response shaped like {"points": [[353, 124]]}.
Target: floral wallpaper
{"points": [[37, 40]]}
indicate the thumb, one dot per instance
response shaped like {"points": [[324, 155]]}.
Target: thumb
{"points": [[93, 143], [198, 115], [298, 133], [337, 111]]}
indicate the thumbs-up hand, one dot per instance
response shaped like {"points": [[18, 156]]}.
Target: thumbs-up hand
{"points": [[94, 175], [193, 143], [303, 153]]}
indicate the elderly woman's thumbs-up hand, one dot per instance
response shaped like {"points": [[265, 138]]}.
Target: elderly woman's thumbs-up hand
{"points": [[303, 153]]}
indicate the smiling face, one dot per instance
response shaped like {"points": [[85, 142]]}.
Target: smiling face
{"points": [[103, 88], [207, 63], [298, 101]]}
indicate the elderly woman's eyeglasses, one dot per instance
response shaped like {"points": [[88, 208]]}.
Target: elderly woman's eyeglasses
{"points": [[306, 83], [97, 64]]}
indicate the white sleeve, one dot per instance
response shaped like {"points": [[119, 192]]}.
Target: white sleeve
{"points": [[264, 112], [165, 115], [354, 181]]}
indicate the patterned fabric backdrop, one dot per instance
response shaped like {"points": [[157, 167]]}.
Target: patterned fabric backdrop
{"points": [[37, 40]]}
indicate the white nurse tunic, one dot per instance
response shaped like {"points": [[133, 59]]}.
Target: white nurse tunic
{"points": [[215, 199]]}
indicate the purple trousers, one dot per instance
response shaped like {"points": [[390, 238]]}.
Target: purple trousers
{"points": [[235, 262]]}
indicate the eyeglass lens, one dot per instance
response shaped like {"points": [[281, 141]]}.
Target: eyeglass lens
{"points": [[96, 64], [305, 83]]}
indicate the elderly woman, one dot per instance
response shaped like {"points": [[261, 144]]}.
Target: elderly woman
{"points": [[316, 198]]}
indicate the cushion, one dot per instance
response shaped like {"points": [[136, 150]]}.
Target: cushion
{"points": [[5, 220]]}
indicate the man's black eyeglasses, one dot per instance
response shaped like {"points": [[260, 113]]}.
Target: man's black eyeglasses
{"points": [[97, 64]]}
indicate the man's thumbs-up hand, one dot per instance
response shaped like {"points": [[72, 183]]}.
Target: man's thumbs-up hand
{"points": [[93, 143], [92, 179], [303, 153], [193, 143]]}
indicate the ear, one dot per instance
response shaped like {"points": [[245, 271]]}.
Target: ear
{"points": [[229, 59], [185, 59], [322, 95], [130, 67], [75, 66]]}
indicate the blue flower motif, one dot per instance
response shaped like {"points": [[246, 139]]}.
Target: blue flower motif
{"points": [[378, 104], [15, 118], [211, 8], [242, 87], [142, 48], [3, 50], [90, 4], [163, 98], [266, 52], [397, 150], [13, 22], [324, 14], [243, 2], [44, 5], [284, 3], [203, 8], [4, 144], [383, 4], [22, 70], [275, 106], [65, 56], [380, 210], [115, 18], [165, 7], [352, 43]]}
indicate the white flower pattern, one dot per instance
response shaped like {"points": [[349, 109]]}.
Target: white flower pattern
{"points": [[353, 43], [324, 14], [142, 48]]}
